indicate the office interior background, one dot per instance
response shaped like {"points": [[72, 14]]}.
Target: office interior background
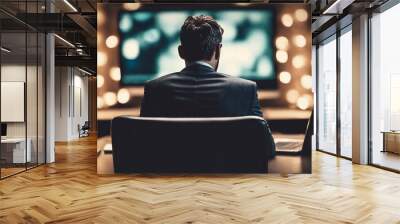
{"points": [[50, 87], [38, 107]]}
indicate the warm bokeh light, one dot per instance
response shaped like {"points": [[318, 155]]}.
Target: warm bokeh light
{"points": [[306, 81], [287, 20], [100, 102], [115, 73], [123, 96], [285, 77], [301, 15], [101, 58], [292, 95], [300, 41], [110, 98], [298, 61], [131, 6], [100, 81], [100, 17], [303, 103], [112, 41], [281, 56], [282, 43], [99, 39]]}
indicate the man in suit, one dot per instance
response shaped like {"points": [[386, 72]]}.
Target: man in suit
{"points": [[199, 90]]}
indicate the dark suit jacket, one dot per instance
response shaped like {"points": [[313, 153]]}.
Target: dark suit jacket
{"points": [[199, 91]]}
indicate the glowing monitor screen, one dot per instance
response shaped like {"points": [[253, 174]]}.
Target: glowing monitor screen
{"points": [[150, 40]]}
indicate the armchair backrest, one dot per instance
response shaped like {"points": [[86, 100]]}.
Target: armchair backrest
{"points": [[191, 145]]}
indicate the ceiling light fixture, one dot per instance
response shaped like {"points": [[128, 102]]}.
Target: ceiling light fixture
{"points": [[64, 40], [337, 7], [5, 50], [70, 5], [84, 71]]}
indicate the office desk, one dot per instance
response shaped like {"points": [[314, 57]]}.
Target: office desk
{"points": [[283, 164], [13, 150], [391, 141]]}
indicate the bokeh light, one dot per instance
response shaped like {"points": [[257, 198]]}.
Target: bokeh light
{"points": [[110, 98], [131, 49], [292, 95], [123, 96], [230, 30], [264, 67], [152, 36], [115, 73], [100, 81], [101, 58], [99, 38], [303, 103], [112, 41], [100, 17], [100, 102], [287, 20], [281, 56], [131, 6], [306, 81], [285, 77], [126, 23], [282, 43], [169, 21], [300, 41], [301, 15], [298, 61]]}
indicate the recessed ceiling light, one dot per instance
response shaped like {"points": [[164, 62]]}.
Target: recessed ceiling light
{"points": [[70, 5], [5, 50]]}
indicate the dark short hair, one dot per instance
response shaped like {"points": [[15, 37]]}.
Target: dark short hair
{"points": [[200, 36]]}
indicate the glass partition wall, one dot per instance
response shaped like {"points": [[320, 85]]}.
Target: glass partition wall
{"points": [[334, 100], [345, 91], [22, 77], [385, 89]]}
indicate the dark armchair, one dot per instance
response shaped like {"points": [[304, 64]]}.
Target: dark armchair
{"points": [[191, 145]]}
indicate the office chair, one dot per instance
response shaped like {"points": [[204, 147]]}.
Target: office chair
{"points": [[191, 145]]}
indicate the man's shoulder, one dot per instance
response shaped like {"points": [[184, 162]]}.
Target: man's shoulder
{"points": [[161, 79], [237, 80]]}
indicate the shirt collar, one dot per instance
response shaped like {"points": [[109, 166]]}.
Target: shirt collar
{"points": [[200, 63]]}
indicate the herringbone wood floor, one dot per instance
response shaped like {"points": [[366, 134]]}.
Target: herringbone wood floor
{"points": [[70, 191]]}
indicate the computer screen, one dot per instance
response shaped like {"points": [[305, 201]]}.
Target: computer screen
{"points": [[150, 39], [3, 129]]}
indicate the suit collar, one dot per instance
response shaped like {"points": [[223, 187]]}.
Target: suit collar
{"points": [[199, 66]]}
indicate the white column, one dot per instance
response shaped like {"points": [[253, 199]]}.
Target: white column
{"points": [[50, 94], [360, 90]]}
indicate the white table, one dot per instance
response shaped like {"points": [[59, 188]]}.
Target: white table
{"points": [[19, 153]]}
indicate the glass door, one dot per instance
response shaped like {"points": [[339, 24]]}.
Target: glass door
{"points": [[327, 96]]}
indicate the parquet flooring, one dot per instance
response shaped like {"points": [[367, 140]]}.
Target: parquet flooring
{"points": [[70, 191]]}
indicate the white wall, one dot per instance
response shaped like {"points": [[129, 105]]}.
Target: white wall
{"points": [[61, 104], [71, 94]]}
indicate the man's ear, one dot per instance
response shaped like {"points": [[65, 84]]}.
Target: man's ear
{"points": [[181, 52], [218, 52]]}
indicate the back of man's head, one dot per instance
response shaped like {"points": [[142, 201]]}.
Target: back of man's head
{"points": [[200, 37]]}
